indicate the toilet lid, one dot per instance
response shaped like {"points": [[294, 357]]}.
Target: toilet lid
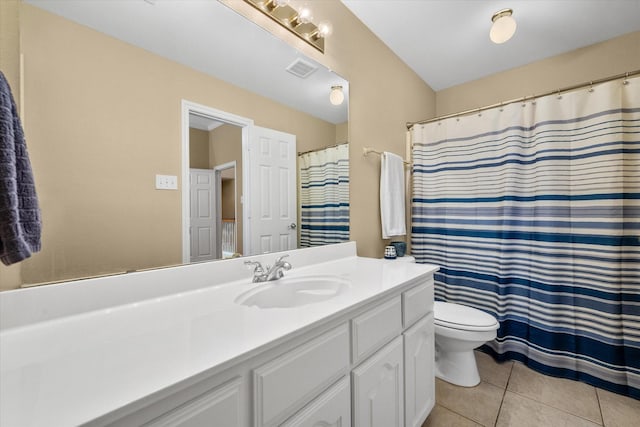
{"points": [[462, 317]]}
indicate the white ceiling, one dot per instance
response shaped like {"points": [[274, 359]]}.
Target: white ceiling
{"points": [[446, 42], [212, 38]]}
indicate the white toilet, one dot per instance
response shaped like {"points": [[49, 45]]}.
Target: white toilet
{"points": [[458, 330]]}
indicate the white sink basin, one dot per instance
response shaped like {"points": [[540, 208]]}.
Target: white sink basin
{"points": [[294, 291]]}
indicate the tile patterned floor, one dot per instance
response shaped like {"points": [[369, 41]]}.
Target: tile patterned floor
{"points": [[512, 395]]}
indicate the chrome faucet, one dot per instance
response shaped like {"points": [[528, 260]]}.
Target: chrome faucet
{"points": [[260, 274]]}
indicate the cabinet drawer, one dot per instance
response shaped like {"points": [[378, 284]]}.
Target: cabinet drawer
{"points": [[287, 383], [331, 408], [376, 327], [417, 302], [220, 406]]}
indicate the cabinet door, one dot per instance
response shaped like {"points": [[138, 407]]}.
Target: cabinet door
{"points": [[222, 406], [419, 377], [378, 388], [331, 409]]}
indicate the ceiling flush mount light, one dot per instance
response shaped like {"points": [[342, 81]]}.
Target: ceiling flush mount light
{"points": [[297, 20], [336, 97], [504, 26]]}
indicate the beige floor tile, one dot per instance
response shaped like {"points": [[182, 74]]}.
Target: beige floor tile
{"points": [[493, 372], [570, 396], [519, 411], [442, 417], [618, 410], [480, 403]]}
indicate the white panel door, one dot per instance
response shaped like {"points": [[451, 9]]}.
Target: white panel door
{"points": [[419, 377], [378, 388], [202, 227], [272, 187]]}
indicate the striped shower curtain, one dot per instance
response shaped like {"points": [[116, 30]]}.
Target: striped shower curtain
{"points": [[324, 196], [533, 212]]}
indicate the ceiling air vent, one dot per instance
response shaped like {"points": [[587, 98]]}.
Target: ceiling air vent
{"points": [[301, 68]]}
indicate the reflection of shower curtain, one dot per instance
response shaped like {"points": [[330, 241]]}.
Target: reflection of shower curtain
{"points": [[228, 237], [324, 196], [533, 212]]}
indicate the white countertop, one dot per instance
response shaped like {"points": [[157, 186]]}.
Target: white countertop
{"points": [[72, 369]]}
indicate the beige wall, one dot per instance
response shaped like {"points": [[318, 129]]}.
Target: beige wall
{"points": [[600, 60], [229, 199], [342, 132], [10, 43], [199, 149], [93, 106], [226, 146]]}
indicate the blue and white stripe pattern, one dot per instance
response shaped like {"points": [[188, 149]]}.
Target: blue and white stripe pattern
{"points": [[533, 213], [324, 196]]}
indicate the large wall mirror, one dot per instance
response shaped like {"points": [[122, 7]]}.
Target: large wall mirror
{"points": [[111, 92]]}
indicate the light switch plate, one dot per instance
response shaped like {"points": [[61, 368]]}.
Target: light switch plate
{"points": [[166, 182]]}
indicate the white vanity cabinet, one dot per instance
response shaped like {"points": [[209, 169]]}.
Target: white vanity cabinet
{"points": [[363, 357], [370, 367]]}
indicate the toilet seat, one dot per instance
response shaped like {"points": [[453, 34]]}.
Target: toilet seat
{"points": [[461, 317]]}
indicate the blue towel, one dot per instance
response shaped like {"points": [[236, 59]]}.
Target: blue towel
{"points": [[20, 225]]}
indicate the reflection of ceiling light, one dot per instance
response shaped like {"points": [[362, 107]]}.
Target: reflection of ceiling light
{"points": [[336, 97], [504, 26]]}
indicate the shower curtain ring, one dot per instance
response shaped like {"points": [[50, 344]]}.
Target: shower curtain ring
{"points": [[591, 87], [559, 95], [626, 79]]}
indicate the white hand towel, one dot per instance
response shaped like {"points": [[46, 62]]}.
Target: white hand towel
{"points": [[392, 196]]}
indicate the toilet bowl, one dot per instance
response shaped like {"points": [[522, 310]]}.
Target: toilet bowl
{"points": [[458, 330]]}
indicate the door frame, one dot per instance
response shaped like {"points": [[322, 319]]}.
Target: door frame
{"points": [[217, 179], [189, 107]]}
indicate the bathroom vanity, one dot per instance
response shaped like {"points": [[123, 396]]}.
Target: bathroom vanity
{"points": [[340, 340]]}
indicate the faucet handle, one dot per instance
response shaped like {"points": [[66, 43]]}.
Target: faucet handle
{"points": [[281, 258], [257, 266]]}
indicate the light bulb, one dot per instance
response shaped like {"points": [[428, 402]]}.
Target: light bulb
{"points": [[336, 97], [324, 29], [304, 15]]}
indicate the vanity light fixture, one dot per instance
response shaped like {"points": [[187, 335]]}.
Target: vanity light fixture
{"points": [[336, 97], [504, 26], [297, 20]]}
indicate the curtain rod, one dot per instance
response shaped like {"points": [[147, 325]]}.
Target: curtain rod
{"points": [[323, 148], [525, 98]]}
